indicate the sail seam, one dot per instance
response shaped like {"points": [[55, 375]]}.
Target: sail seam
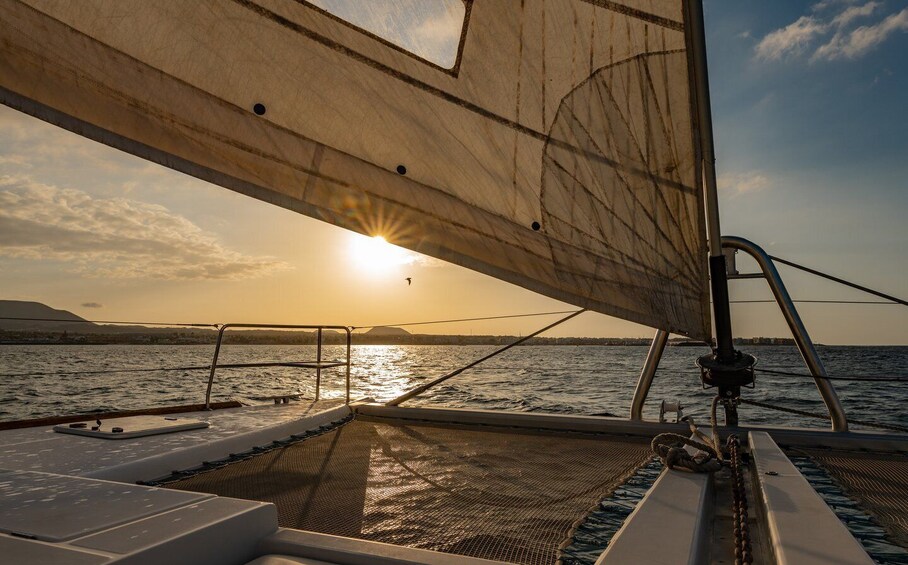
{"points": [[639, 14]]}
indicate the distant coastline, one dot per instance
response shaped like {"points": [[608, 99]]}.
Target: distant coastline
{"points": [[168, 336], [33, 323]]}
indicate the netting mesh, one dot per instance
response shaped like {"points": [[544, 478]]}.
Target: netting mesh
{"points": [[482, 492], [877, 481]]}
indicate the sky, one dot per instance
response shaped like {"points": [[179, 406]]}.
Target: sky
{"points": [[810, 124]]}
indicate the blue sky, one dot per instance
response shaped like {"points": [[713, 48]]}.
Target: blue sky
{"points": [[809, 104]]}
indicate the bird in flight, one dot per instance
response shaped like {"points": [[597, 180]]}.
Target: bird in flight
{"points": [[409, 281]]}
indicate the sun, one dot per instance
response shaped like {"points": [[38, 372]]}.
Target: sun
{"points": [[376, 256]]}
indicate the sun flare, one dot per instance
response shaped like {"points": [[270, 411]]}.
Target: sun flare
{"points": [[376, 256]]}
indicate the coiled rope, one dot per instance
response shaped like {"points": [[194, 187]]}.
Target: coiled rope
{"points": [[669, 447]]}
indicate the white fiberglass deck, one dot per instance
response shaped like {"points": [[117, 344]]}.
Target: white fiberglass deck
{"points": [[231, 430]]}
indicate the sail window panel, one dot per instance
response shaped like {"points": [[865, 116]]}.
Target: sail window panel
{"points": [[429, 29]]}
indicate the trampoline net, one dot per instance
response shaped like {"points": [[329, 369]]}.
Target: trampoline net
{"points": [[878, 482], [493, 493]]}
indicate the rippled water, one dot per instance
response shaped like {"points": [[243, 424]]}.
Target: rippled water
{"points": [[559, 379]]}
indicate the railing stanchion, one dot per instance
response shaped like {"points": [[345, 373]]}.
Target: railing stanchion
{"points": [[349, 340], [648, 373], [318, 365], [214, 366], [796, 325], [318, 362]]}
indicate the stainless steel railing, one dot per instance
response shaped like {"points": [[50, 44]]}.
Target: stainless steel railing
{"points": [[318, 364], [796, 325]]}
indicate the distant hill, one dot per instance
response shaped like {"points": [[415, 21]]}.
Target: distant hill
{"points": [[386, 331], [24, 309]]}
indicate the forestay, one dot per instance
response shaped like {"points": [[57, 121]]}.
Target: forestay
{"points": [[557, 152]]}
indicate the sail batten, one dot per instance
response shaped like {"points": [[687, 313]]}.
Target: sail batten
{"points": [[558, 154]]}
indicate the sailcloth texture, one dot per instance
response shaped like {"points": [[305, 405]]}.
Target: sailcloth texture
{"points": [[553, 148]]}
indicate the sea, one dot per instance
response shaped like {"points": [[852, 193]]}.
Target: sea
{"points": [[50, 380]]}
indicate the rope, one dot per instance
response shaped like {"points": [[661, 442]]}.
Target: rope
{"points": [[899, 379], [669, 448], [879, 425], [464, 320]]}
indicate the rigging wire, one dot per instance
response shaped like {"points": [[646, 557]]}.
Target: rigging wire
{"points": [[817, 301], [464, 320], [840, 281]]}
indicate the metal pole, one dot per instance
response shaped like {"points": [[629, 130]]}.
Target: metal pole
{"points": [[349, 340], [798, 331], [648, 373], [725, 350], [318, 364], [214, 366], [422, 388]]}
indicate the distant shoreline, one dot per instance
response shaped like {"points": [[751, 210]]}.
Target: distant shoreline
{"points": [[301, 338]]}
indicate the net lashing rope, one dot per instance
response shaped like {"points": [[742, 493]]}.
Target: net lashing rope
{"points": [[669, 447], [870, 379], [806, 414]]}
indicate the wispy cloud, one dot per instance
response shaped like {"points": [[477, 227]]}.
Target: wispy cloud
{"points": [[741, 183], [832, 32], [92, 305], [791, 39], [861, 40], [428, 28], [114, 237]]}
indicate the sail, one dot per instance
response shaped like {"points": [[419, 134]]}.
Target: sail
{"points": [[553, 148]]}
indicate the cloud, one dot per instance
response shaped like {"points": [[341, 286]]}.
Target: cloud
{"points": [[863, 39], [114, 237], [742, 183], [791, 39], [854, 12], [91, 305], [833, 24], [430, 30]]}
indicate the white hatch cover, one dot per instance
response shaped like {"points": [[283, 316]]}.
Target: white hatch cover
{"points": [[131, 427]]}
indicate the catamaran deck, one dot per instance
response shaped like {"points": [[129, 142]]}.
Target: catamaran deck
{"points": [[330, 483], [231, 429]]}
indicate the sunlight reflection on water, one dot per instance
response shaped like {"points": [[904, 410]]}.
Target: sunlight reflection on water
{"points": [[557, 379]]}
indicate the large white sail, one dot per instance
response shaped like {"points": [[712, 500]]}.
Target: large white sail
{"points": [[556, 153]]}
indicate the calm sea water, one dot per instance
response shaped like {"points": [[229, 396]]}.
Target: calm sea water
{"points": [[557, 379]]}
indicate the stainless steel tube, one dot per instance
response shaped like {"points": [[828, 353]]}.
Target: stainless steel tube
{"points": [[648, 373], [318, 364], [214, 366], [798, 331]]}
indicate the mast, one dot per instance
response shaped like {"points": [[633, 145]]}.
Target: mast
{"points": [[717, 273], [726, 368]]}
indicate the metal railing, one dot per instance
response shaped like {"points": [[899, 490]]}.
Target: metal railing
{"points": [[789, 311], [318, 364]]}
